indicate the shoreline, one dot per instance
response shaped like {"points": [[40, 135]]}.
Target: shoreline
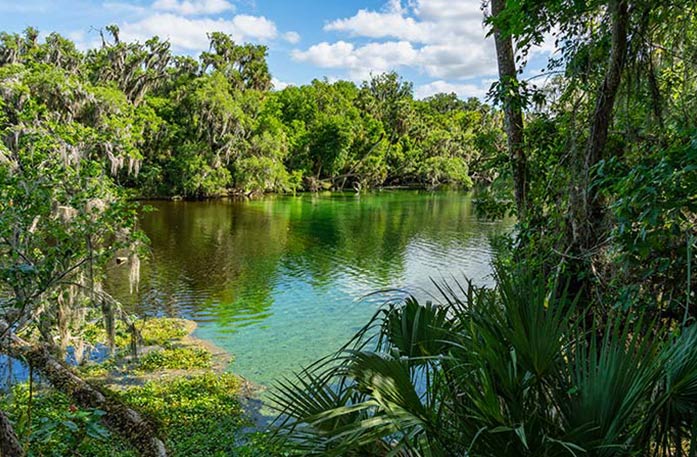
{"points": [[250, 392], [259, 195]]}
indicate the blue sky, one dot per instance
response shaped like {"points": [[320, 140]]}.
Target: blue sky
{"points": [[439, 45]]}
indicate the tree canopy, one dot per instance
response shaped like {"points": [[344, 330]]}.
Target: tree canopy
{"points": [[198, 127]]}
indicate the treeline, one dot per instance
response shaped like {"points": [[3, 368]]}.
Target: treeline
{"points": [[165, 124]]}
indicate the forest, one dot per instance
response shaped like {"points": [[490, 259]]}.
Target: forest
{"points": [[174, 125], [585, 346]]}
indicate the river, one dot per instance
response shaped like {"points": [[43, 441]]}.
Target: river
{"points": [[284, 280]]}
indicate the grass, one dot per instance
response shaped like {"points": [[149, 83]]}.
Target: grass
{"points": [[162, 331], [97, 370], [199, 415]]}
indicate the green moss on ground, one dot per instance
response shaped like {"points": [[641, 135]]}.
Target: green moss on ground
{"points": [[197, 416], [200, 416]]}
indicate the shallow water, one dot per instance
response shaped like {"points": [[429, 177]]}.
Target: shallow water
{"points": [[282, 281]]}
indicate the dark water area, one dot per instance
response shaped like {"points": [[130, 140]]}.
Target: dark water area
{"points": [[282, 281]]}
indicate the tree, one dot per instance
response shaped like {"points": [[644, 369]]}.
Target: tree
{"points": [[135, 68], [244, 66], [9, 443], [602, 110], [509, 92]]}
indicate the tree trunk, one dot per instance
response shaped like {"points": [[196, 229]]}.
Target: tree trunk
{"points": [[9, 444], [512, 109], [120, 418], [586, 211]]}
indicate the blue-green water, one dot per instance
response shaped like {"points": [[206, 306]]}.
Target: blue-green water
{"points": [[282, 281]]}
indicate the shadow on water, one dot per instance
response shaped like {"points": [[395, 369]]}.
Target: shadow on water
{"points": [[282, 281]]}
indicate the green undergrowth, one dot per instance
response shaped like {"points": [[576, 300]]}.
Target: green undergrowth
{"points": [[50, 425], [153, 332], [169, 358], [177, 358], [166, 349], [200, 416], [197, 412], [196, 415], [97, 370]]}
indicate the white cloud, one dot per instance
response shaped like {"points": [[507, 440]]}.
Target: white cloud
{"points": [[360, 60], [439, 61], [291, 37], [450, 10], [279, 85], [443, 39], [395, 6], [257, 27], [424, 21], [193, 7], [373, 24], [191, 34], [446, 60]]}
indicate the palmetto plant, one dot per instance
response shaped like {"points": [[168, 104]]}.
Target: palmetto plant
{"points": [[515, 371]]}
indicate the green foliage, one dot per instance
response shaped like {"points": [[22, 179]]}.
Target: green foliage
{"points": [[56, 427], [160, 331], [610, 151], [165, 125], [654, 207], [97, 370], [514, 371], [179, 358], [200, 415]]}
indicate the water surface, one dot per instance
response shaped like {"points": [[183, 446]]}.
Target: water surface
{"points": [[282, 281]]}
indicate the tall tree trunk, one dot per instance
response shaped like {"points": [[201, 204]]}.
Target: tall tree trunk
{"points": [[119, 417], [9, 444], [512, 109], [586, 211]]}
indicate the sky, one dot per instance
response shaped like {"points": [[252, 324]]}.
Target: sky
{"points": [[439, 45]]}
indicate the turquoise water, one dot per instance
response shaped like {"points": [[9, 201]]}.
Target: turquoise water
{"points": [[282, 281]]}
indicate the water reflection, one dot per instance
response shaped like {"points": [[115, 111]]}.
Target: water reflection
{"points": [[279, 281]]}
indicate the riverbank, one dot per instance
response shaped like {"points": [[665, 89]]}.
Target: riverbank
{"points": [[244, 196], [178, 381]]}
